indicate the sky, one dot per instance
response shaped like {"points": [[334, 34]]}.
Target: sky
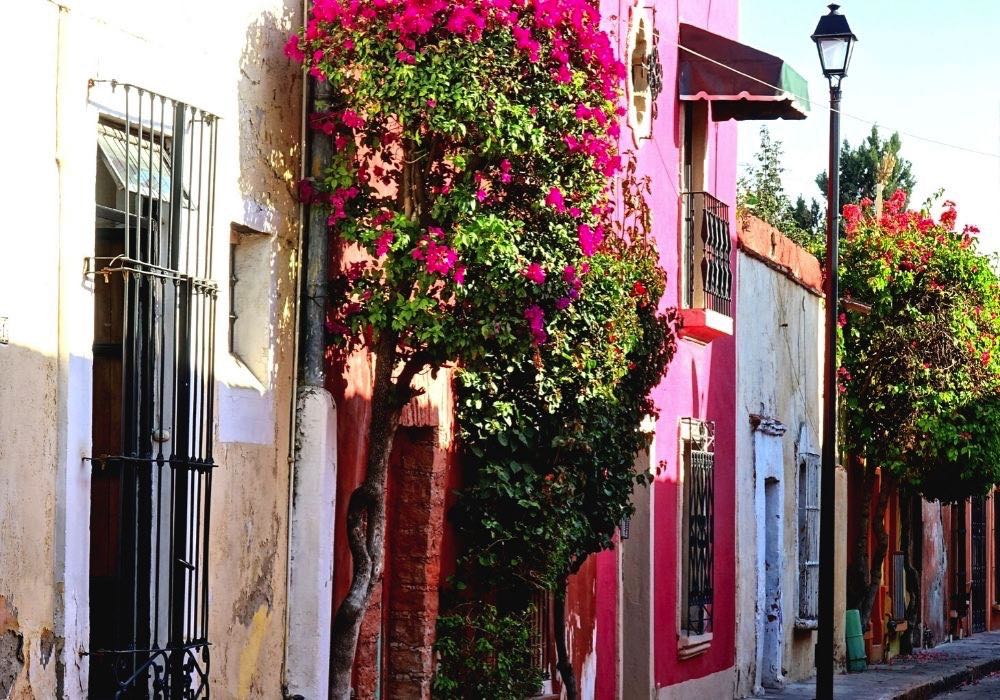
{"points": [[924, 67]]}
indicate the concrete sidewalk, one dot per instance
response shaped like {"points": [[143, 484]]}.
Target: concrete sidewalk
{"points": [[923, 675]]}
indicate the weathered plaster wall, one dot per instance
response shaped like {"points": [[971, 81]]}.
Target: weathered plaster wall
{"points": [[227, 59], [31, 364], [780, 327]]}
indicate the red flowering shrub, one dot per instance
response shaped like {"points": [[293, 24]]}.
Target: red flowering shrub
{"points": [[922, 369]]}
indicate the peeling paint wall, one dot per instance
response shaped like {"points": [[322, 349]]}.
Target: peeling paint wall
{"points": [[780, 325], [226, 58]]}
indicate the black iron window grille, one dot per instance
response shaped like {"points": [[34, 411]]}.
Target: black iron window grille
{"points": [[707, 249], [698, 439], [542, 627], [898, 586], [152, 276], [809, 478]]}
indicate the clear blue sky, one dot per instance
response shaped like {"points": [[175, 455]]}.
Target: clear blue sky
{"points": [[927, 67]]}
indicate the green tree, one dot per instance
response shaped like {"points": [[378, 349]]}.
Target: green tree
{"points": [[920, 370], [809, 217], [760, 192], [859, 169]]}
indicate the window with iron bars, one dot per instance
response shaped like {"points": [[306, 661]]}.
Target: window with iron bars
{"points": [[542, 640], [960, 591], [698, 453], [808, 496], [153, 399]]}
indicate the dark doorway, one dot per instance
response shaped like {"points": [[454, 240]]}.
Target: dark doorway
{"points": [[120, 513], [978, 537]]}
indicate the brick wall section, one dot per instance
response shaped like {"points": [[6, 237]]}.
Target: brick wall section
{"points": [[761, 241], [419, 479], [405, 605]]}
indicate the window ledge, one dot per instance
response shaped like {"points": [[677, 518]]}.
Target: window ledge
{"points": [[704, 325], [689, 646], [806, 623]]}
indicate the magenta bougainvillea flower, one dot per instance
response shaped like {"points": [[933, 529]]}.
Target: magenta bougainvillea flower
{"points": [[536, 323], [535, 273], [555, 200]]}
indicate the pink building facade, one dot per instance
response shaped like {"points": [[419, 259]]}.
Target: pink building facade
{"points": [[665, 615]]}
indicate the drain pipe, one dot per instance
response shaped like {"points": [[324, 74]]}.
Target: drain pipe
{"points": [[313, 458]]}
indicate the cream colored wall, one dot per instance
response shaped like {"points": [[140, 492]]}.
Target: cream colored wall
{"points": [[779, 327], [225, 57]]}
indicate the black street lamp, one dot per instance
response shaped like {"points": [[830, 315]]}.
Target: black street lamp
{"points": [[835, 43]]}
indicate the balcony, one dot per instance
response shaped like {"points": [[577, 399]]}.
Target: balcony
{"points": [[706, 273]]}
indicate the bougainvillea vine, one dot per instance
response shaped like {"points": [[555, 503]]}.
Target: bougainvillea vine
{"points": [[470, 192]]}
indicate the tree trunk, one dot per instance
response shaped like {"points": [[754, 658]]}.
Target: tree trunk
{"points": [[366, 514], [563, 663], [886, 489]]}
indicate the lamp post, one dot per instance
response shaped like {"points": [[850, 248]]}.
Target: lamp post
{"points": [[835, 42]]}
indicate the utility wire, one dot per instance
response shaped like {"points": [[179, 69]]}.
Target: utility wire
{"points": [[829, 108]]}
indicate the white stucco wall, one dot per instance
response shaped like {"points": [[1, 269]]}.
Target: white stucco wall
{"points": [[780, 327], [226, 58]]}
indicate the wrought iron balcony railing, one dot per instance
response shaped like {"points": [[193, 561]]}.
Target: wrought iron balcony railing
{"points": [[708, 271]]}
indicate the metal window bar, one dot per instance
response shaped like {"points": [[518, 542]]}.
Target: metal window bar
{"points": [[978, 556], [700, 508], [898, 586], [809, 473], [159, 644], [707, 253], [233, 281], [542, 641]]}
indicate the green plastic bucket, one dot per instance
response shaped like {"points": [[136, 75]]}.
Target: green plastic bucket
{"points": [[855, 642]]}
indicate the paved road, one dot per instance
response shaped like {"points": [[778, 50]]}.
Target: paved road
{"points": [[986, 689]]}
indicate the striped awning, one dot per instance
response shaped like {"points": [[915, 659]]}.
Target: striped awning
{"points": [[739, 81]]}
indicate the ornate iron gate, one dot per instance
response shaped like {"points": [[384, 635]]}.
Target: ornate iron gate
{"points": [[149, 634], [978, 537]]}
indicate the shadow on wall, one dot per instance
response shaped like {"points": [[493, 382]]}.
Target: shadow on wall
{"points": [[265, 241], [270, 118]]}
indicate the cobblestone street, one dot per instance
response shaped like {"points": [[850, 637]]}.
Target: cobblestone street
{"points": [[948, 670]]}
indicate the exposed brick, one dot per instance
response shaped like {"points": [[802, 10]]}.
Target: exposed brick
{"points": [[418, 477]]}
